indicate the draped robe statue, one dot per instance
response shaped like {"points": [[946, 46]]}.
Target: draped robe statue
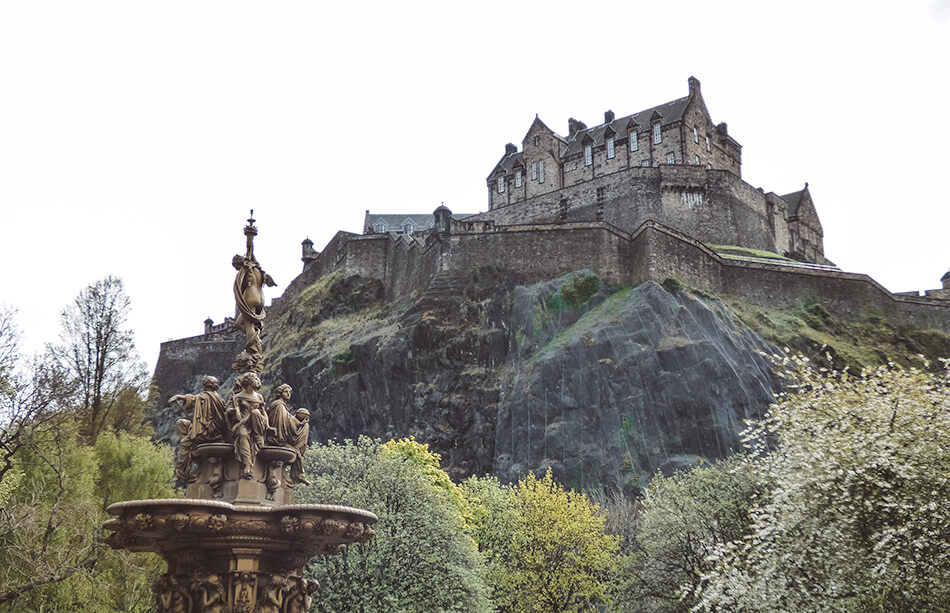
{"points": [[205, 426], [249, 299], [292, 430]]}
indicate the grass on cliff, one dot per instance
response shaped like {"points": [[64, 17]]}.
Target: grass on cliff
{"points": [[608, 310], [295, 330], [864, 342]]}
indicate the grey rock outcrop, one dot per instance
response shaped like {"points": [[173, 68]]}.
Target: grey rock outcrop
{"points": [[602, 386]]}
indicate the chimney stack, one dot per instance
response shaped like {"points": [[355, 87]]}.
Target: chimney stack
{"points": [[574, 126], [608, 116], [693, 86], [510, 149]]}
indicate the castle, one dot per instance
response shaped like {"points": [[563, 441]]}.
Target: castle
{"points": [[621, 172], [649, 196]]}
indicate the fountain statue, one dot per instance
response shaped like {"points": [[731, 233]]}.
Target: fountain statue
{"points": [[237, 543]]}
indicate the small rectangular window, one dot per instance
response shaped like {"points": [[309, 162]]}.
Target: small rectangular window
{"points": [[670, 158], [541, 171], [657, 135], [633, 141], [534, 171], [695, 135], [601, 194], [588, 155], [501, 185], [644, 163], [707, 144], [610, 147], [518, 177], [698, 163]]}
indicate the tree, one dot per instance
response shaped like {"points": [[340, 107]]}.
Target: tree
{"points": [[420, 559], [53, 494], [859, 517], [98, 353], [682, 519], [545, 547]]}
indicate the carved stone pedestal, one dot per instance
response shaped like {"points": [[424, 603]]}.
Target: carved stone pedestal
{"points": [[236, 545]]}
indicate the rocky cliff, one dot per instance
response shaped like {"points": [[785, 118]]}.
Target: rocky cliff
{"points": [[603, 385]]}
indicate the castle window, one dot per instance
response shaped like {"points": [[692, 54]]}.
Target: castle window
{"points": [[537, 141], [518, 177], [657, 135], [501, 185], [695, 135], [610, 147], [541, 171], [670, 158], [588, 155], [698, 162], [707, 144], [633, 141], [534, 171], [601, 194]]}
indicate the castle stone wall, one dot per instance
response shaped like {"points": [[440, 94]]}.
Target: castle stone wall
{"points": [[714, 206]]}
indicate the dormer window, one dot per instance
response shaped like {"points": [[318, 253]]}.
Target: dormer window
{"points": [[517, 178], [379, 227], [633, 141], [657, 135], [501, 185], [408, 227], [588, 155], [695, 135], [610, 147]]}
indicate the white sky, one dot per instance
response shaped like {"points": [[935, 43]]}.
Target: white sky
{"points": [[135, 136]]}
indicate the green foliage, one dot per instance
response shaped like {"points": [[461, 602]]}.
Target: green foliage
{"points": [[816, 315], [420, 559], [574, 294], [545, 547], [859, 517], [50, 527], [429, 463], [579, 289], [681, 520]]}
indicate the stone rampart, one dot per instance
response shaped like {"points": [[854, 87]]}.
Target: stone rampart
{"points": [[654, 252]]}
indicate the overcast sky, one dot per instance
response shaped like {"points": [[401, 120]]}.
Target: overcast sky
{"points": [[135, 136]]}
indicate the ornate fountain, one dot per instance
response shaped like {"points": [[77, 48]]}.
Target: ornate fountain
{"points": [[237, 543]]}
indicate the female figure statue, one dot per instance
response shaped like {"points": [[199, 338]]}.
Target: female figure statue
{"points": [[292, 430], [248, 422], [249, 297]]}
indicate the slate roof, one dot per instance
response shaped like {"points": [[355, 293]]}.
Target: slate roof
{"points": [[793, 200], [670, 112], [508, 163], [394, 221]]}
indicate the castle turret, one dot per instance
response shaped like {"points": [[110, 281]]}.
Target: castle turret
{"points": [[945, 280], [443, 220], [308, 253], [209, 323]]}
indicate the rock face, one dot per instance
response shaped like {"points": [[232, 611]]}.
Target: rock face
{"points": [[604, 386]]}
